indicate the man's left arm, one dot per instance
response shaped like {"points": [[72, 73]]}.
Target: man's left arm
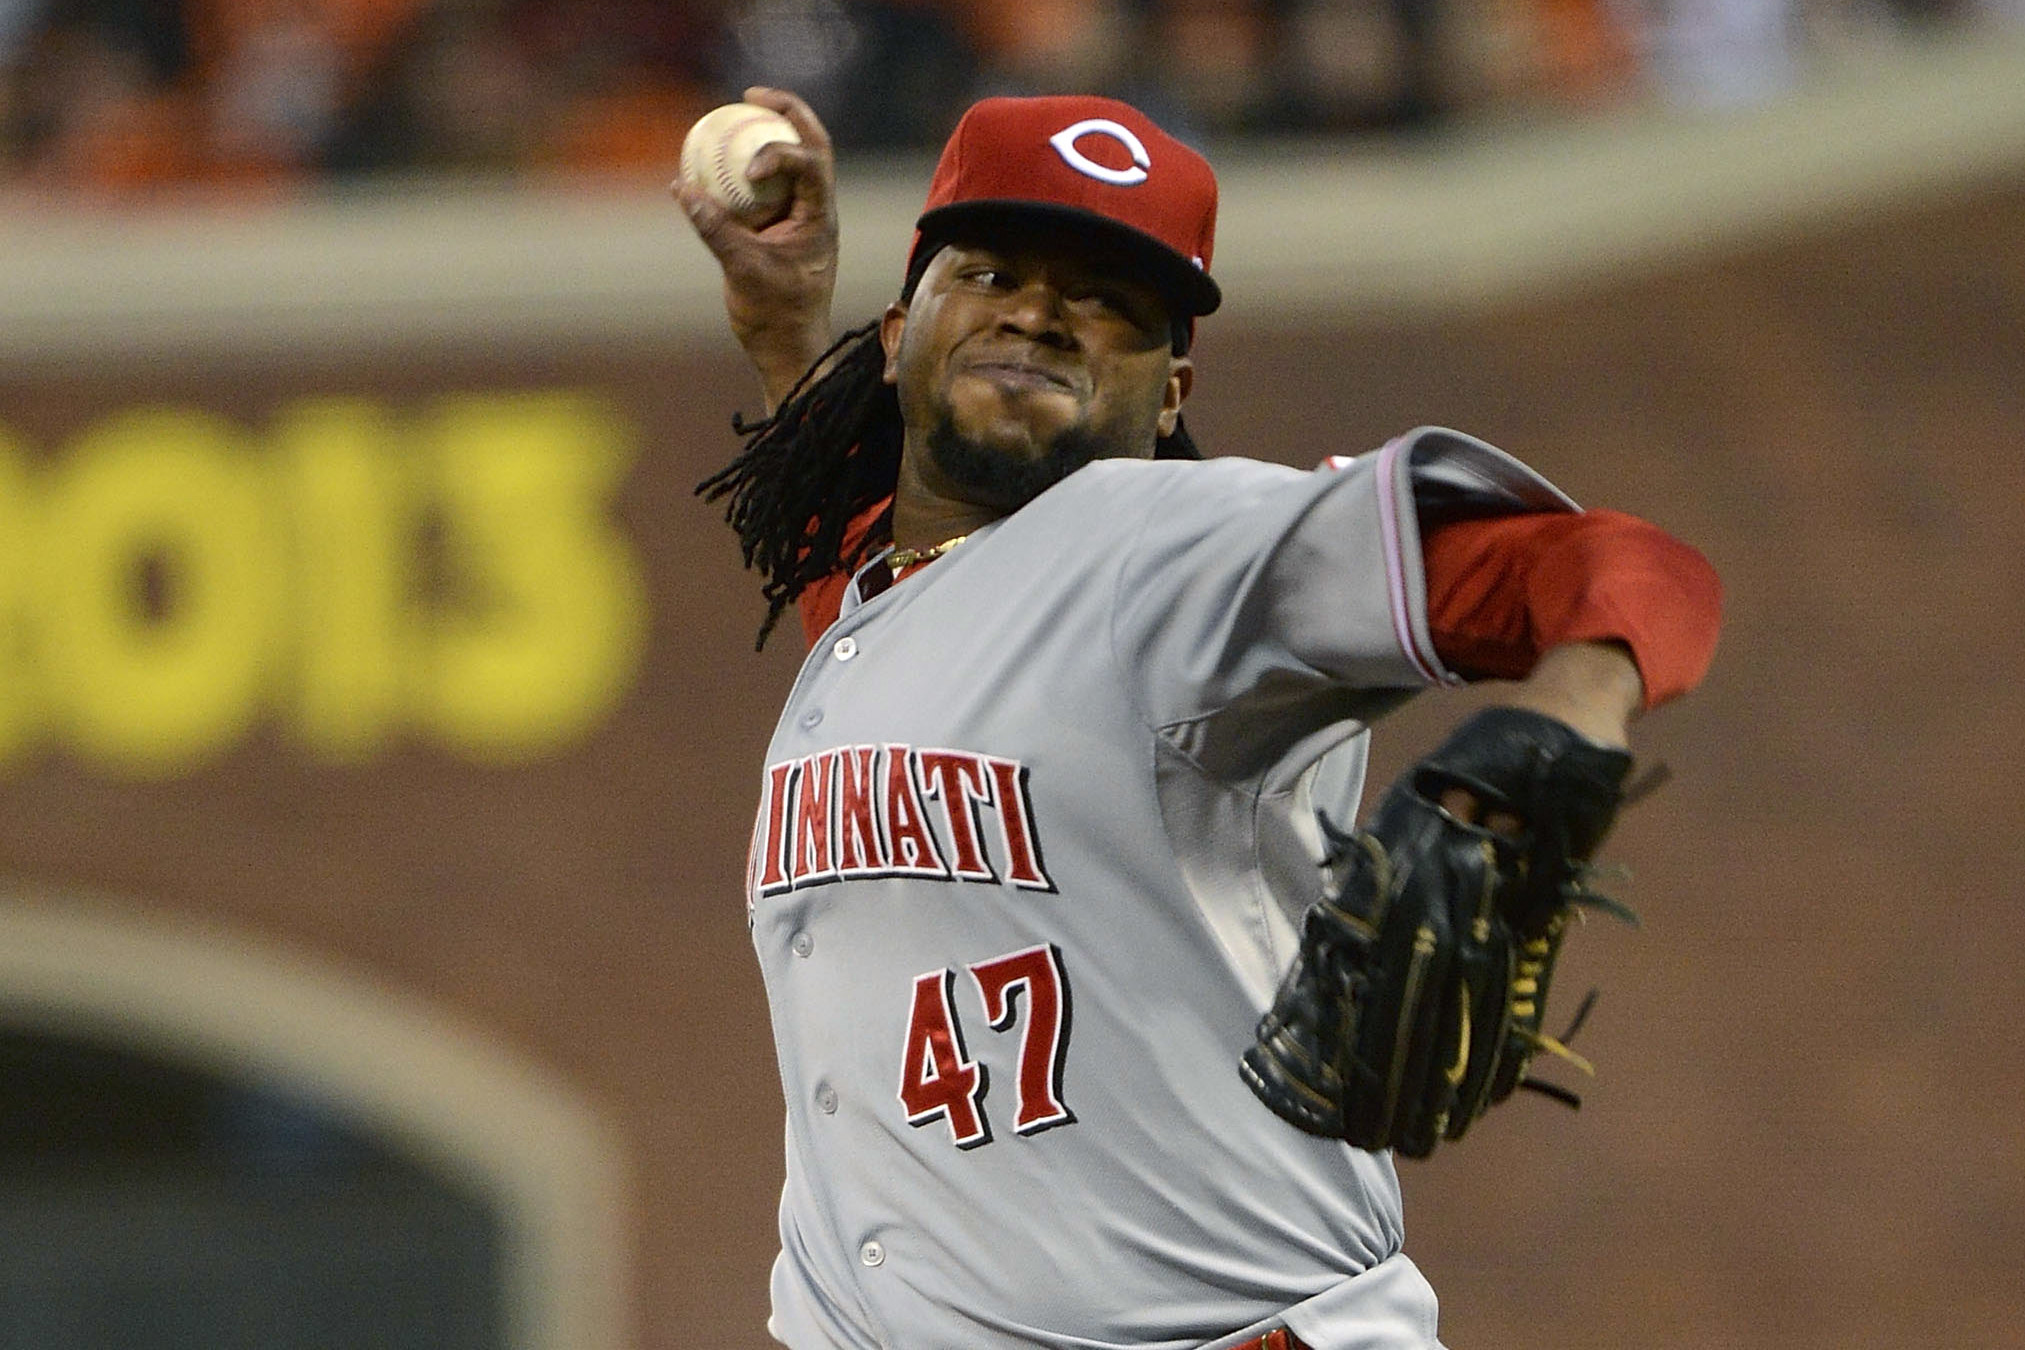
{"points": [[1418, 997], [1599, 615], [1594, 687]]}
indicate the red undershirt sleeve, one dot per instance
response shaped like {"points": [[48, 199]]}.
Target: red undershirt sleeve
{"points": [[1502, 590], [821, 602]]}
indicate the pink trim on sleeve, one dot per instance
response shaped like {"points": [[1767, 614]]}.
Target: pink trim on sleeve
{"points": [[1423, 661]]}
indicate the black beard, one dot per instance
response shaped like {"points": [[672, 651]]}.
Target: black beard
{"points": [[1001, 479]]}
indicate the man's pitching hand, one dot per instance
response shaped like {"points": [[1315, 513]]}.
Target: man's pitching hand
{"points": [[779, 279]]}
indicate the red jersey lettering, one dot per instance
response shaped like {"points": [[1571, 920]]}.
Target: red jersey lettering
{"points": [[862, 811], [913, 850], [772, 846], [1045, 1039], [859, 851], [937, 1079], [1016, 826], [960, 782], [812, 858]]}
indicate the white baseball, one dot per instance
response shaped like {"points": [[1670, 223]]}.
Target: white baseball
{"points": [[722, 143]]}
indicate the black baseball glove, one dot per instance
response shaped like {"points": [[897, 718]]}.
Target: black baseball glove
{"points": [[1416, 1001]]}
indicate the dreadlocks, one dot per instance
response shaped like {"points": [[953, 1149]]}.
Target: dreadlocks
{"points": [[829, 452]]}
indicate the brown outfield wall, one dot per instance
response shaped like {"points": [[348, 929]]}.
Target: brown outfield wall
{"points": [[1805, 1133]]}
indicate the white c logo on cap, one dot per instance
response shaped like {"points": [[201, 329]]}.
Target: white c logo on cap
{"points": [[1065, 140]]}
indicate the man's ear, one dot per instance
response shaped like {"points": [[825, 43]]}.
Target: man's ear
{"points": [[1180, 379], [892, 325]]}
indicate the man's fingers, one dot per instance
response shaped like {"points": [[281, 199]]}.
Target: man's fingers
{"points": [[813, 133], [797, 161], [1460, 803], [696, 204], [1464, 806], [714, 223], [810, 173], [812, 164]]}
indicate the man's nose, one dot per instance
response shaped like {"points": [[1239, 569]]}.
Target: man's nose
{"points": [[1037, 311]]}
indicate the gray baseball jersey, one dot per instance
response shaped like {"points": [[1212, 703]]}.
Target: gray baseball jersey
{"points": [[1037, 826]]}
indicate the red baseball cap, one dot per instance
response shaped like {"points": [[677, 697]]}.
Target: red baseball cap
{"points": [[1084, 161]]}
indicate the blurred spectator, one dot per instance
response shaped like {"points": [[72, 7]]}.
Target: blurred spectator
{"points": [[622, 80], [1532, 53], [455, 92], [1214, 55], [1720, 53], [1056, 46], [1345, 64], [880, 73], [17, 17], [274, 92], [99, 104]]}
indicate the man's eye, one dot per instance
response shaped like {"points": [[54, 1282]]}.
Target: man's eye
{"points": [[1112, 302]]}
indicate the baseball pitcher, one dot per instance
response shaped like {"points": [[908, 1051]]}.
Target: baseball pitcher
{"points": [[1100, 1017]]}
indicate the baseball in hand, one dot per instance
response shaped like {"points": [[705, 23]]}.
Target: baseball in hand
{"points": [[722, 143]]}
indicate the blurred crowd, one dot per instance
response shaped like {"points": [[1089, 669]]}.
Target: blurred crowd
{"points": [[117, 98]]}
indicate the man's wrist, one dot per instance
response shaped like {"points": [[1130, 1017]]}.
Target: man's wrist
{"points": [[1594, 687], [782, 359]]}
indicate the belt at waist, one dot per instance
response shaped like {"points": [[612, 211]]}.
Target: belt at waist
{"points": [[1277, 1339]]}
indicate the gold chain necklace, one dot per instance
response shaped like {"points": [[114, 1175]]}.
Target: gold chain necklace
{"points": [[902, 558]]}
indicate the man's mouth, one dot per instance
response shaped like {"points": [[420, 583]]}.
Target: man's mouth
{"points": [[1021, 376]]}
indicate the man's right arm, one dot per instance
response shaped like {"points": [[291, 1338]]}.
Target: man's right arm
{"points": [[778, 280]]}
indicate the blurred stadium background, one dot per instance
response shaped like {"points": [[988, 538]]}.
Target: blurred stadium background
{"points": [[379, 720]]}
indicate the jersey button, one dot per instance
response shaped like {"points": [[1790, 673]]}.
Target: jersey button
{"points": [[803, 944], [846, 648], [812, 718], [872, 1254], [826, 1101]]}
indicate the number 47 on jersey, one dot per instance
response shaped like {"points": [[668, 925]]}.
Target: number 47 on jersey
{"points": [[938, 1078]]}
